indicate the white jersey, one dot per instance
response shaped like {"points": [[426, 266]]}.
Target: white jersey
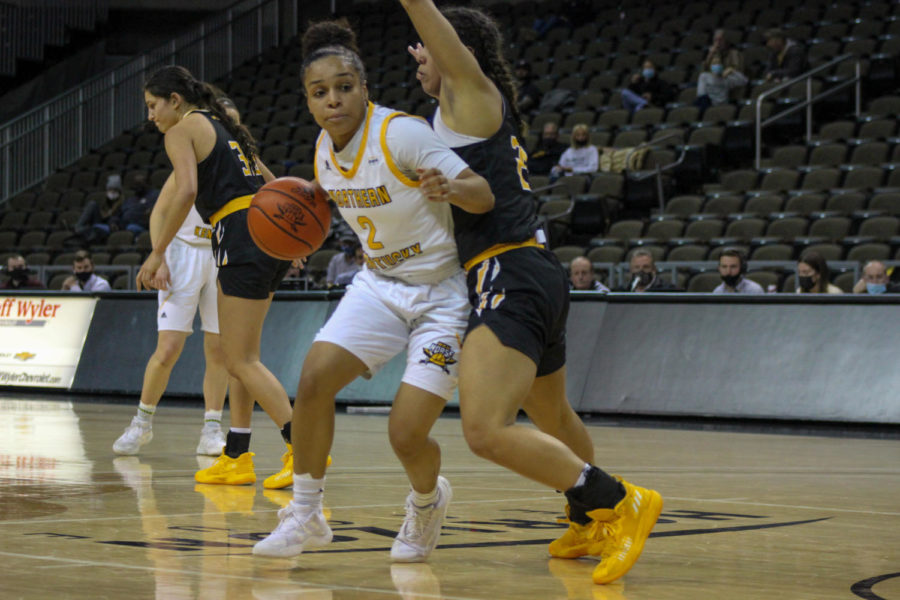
{"points": [[194, 231], [373, 181]]}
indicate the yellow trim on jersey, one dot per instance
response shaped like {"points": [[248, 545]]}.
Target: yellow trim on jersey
{"points": [[387, 153], [359, 153], [319, 139], [500, 249], [239, 203]]}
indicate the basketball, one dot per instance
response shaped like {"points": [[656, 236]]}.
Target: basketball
{"points": [[289, 218]]}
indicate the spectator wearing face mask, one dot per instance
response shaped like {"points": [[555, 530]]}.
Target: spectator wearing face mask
{"points": [[93, 224], [644, 275], [581, 276], [19, 275], [723, 52], [812, 275], [646, 89], [875, 280], [345, 264], [134, 214], [732, 266], [547, 151], [580, 158], [715, 85], [84, 279]]}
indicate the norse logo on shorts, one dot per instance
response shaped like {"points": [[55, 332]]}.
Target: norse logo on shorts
{"points": [[439, 354]]}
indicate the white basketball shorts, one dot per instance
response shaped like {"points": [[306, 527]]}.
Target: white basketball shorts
{"points": [[379, 317], [193, 286]]}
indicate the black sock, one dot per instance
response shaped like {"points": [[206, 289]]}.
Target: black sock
{"points": [[286, 433], [237, 444], [600, 490]]}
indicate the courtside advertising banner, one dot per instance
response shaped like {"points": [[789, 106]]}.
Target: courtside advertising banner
{"points": [[41, 339]]}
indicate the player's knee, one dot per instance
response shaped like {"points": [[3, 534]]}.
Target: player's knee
{"points": [[479, 438], [406, 442], [313, 387]]}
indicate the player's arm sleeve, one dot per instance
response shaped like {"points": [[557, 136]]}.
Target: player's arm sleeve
{"points": [[414, 145]]}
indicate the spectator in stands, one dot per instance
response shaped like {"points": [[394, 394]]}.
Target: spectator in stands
{"points": [[293, 279], [84, 279], [529, 94], [644, 275], [715, 85], [134, 214], [547, 151], [580, 158], [345, 264], [729, 56], [646, 89], [812, 275], [93, 224], [19, 275], [581, 276], [787, 59], [732, 267], [875, 280]]}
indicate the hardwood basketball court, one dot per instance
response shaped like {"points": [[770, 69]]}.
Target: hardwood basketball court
{"points": [[747, 515]]}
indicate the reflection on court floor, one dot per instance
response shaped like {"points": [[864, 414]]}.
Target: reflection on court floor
{"points": [[746, 516]]}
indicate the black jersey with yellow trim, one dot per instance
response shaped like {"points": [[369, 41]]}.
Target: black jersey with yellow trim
{"points": [[501, 160], [225, 174]]}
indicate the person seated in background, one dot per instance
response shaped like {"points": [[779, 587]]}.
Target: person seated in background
{"points": [[714, 86], [581, 276], [344, 265], [19, 275], [134, 214], [732, 266], [580, 158], [875, 280], [812, 275], [646, 89], [547, 150], [84, 279], [722, 51], [529, 96], [294, 279], [94, 223], [644, 275], [787, 59]]}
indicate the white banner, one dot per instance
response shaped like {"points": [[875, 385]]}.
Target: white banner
{"points": [[41, 339]]}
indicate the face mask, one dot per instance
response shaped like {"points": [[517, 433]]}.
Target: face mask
{"points": [[876, 288], [19, 274], [83, 276], [641, 279], [805, 283], [349, 251], [112, 194], [716, 69], [731, 280], [648, 73]]}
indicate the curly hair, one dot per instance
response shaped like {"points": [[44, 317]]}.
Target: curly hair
{"points": [[479, 32], [331, 38], [175, 79]]}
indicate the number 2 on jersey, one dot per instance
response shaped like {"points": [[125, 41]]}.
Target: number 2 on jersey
{"points": [[366, 223], [521, 159], [248, 170]]}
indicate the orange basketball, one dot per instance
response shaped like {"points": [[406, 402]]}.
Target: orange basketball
{"points": [[289, 218]]}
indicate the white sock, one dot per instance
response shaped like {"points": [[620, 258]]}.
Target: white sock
{"points": [[240, 429], [583, 477], [212, 417], [145, 412], [423, 500], [308, 492]]}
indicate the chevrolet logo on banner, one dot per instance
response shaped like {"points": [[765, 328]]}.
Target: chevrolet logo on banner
{"points": [[23, 356]]}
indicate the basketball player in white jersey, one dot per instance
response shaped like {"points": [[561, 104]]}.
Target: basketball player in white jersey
{"points": [[394, 182], [186, 283]]}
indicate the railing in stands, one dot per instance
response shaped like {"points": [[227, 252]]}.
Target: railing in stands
{"points": [[658, 169], [58, 132], [807, 77]]}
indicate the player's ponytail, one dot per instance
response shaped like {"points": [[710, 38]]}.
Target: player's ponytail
{"points": [[175, 79], [331, 38]]}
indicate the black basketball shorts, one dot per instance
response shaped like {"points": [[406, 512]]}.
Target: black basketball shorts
{"points": [[245, 271], [523, 297]]}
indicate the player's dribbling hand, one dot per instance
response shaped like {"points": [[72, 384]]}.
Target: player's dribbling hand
{"points": [[434, 185]]}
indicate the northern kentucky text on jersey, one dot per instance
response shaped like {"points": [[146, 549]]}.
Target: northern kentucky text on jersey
{"points": [[361, 198], [387, 261]]}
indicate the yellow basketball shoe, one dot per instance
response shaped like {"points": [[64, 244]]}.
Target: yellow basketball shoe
{"points": [[285, 476], [229, 471], [626, 528], [578, 540]]}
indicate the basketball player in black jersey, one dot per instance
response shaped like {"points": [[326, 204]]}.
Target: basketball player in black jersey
{"points": [[216, 168], [519, 297]]}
